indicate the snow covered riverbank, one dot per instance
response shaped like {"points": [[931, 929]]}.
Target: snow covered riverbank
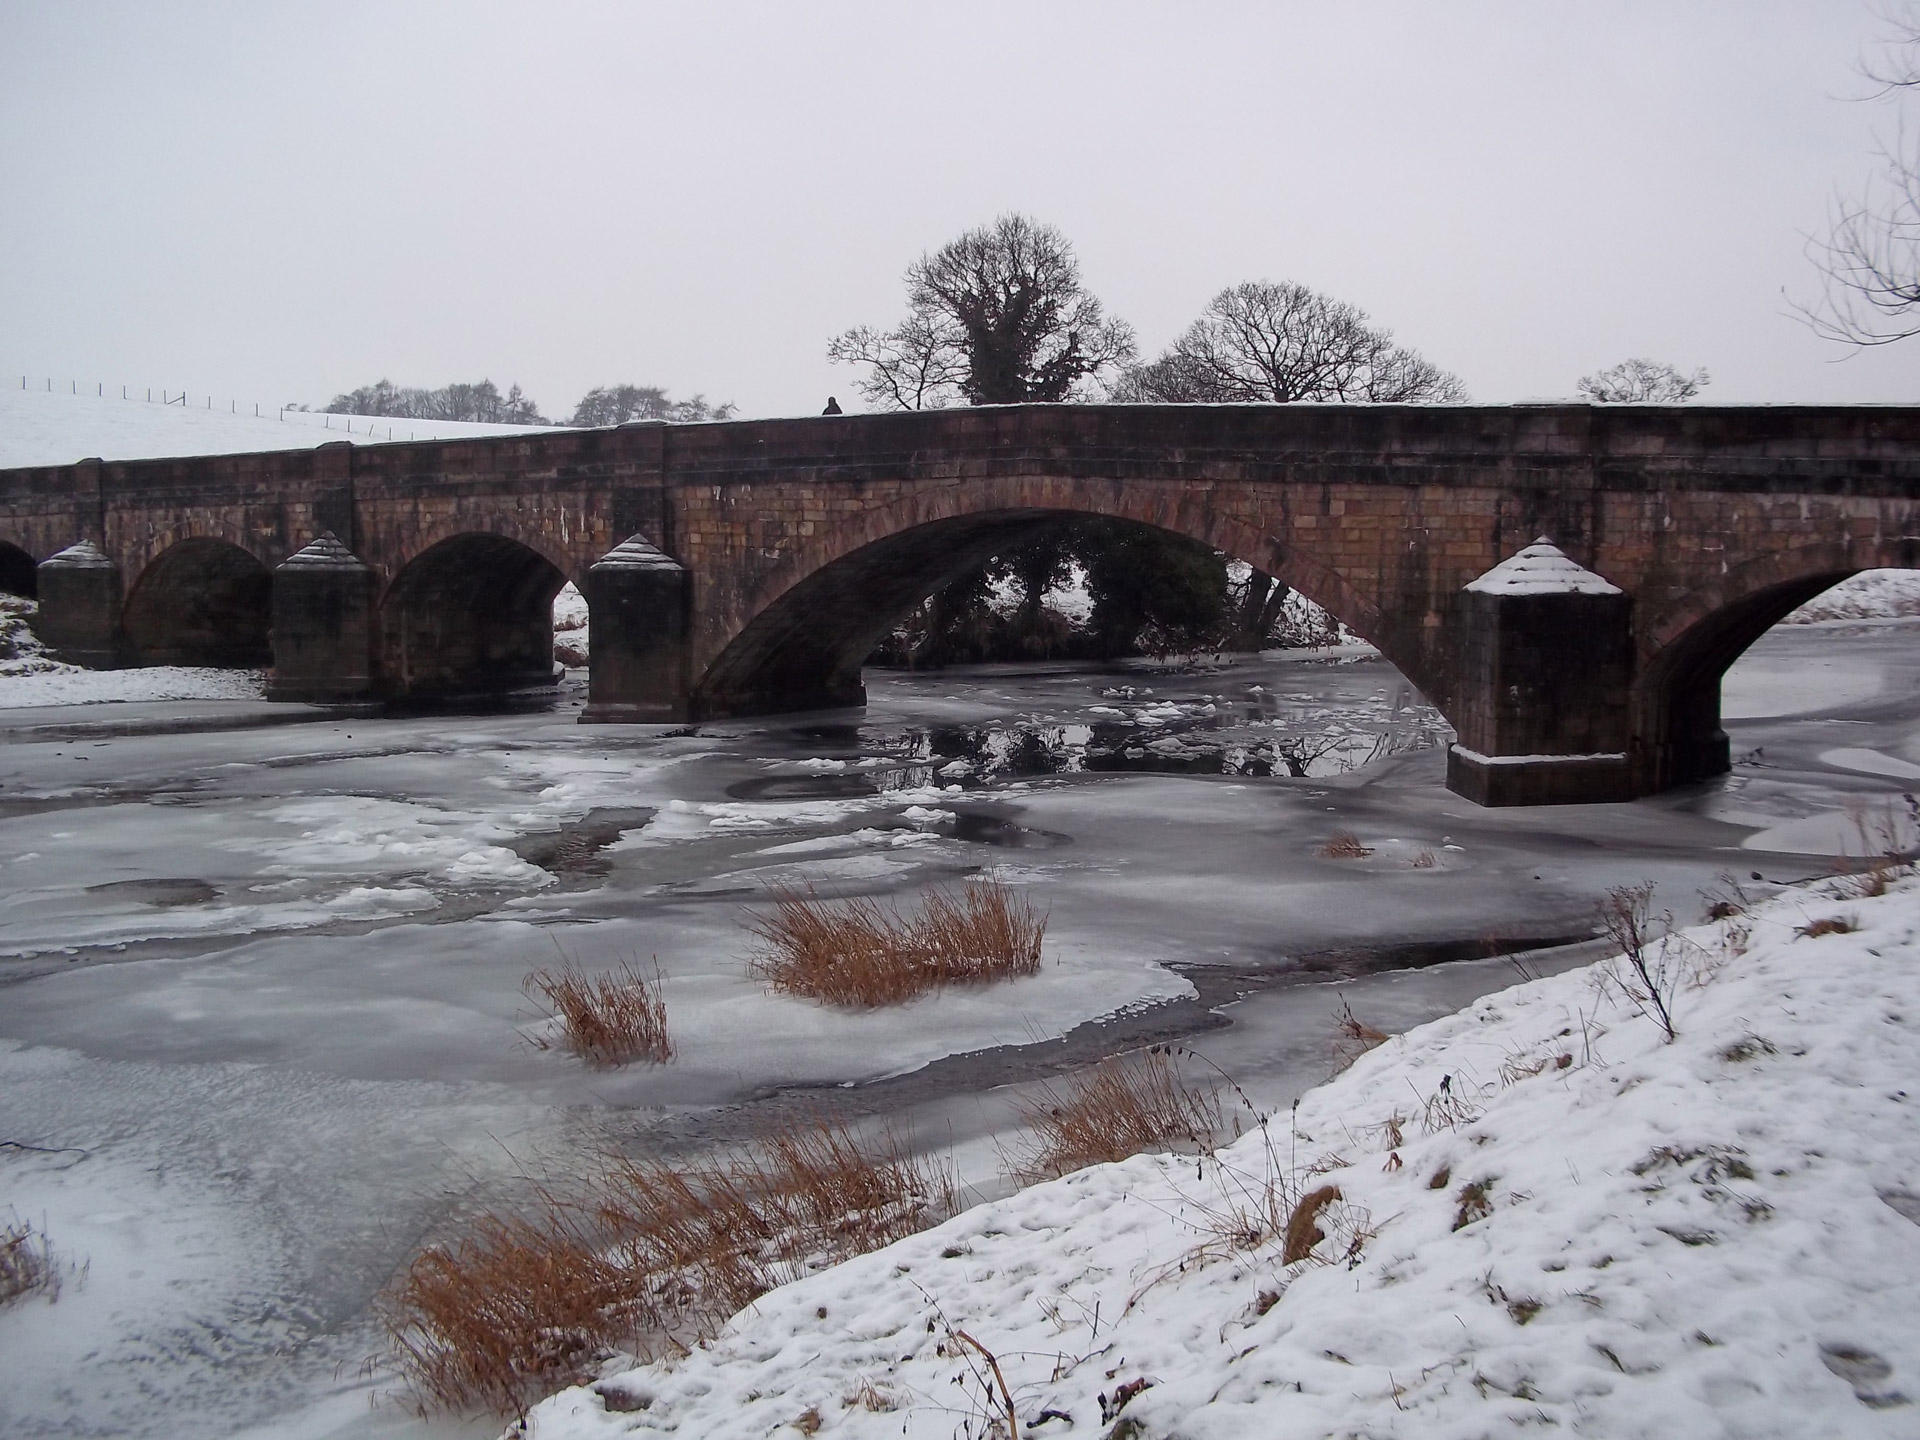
{"points": [[1543, 1214]]}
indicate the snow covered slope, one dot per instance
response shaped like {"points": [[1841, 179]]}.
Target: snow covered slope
{"points": [[1548, 1219], [38, 427], [1870, 595], [29, 676]]}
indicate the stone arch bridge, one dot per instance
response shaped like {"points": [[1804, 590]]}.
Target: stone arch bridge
{"points": [[748, 567]]}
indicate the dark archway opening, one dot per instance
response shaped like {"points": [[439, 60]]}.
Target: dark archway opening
{"points": [[806, 649], [18, 573], [1678, 727], [469, 618], [202, 602]]}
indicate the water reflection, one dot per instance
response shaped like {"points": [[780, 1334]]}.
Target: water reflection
{"points": [[973, 755]]}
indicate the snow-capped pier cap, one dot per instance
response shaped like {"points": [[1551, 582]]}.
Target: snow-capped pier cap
{"points": [[637, 552], [84, 555], [1543, 568], [324, 553]]}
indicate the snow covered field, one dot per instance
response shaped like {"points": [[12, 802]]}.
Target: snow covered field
{"points": [[1536, 1214], [42, 427]]}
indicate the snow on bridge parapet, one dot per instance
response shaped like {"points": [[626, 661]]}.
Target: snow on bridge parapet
{"points": [[1543, 568]]}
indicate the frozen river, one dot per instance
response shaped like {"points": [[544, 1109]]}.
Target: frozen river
{"points": [[262, 1030]]}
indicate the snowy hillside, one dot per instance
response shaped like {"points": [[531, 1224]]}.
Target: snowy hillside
{"points": [[39, 427], [1870, 595], [1535, 1216]]}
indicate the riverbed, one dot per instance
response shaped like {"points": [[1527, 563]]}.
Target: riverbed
{"points": [[262, 1024]]}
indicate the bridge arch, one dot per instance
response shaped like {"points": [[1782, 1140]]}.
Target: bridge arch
{"points": [[18, 573], [799, 637], [201, 601], [1689, 648], [469, 615]]}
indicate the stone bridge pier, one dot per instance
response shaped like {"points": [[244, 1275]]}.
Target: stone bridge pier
{"points": [[1567, 584]]}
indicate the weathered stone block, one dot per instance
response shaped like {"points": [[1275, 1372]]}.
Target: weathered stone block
{"points": [[323, 626], [638, 599], [80, 598], [1546, 662]]}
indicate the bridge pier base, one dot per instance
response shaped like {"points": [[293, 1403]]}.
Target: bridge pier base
{"points": [[322, 626], [79, 615], [1546, 666], [638, 608]]}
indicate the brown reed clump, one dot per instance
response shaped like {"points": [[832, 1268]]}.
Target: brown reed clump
{"points": [[1343, 845], [654, 1256], [512, 1311], [28, 1265], [715, 1235], [1122, 1107], [857, 952], [605, 1019]]}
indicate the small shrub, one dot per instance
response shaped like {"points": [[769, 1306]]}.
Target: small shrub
{"points": [[1352, 1037], [1648, 971], [1121, 1107], [856, 952], [1343, 845], [28, 1265], [606, 1019], [1455, 1104], [1885, 833]]}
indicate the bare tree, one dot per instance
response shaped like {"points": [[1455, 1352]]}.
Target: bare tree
{"points": [[1641, 380], [1278, 343], [996, 317], [918, 365], [1870, 259]]}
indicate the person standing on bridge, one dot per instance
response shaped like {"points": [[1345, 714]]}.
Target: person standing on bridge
{"points": [[833, 407]]}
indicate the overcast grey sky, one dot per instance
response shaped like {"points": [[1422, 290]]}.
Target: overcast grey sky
{"points": [[278, 203]]}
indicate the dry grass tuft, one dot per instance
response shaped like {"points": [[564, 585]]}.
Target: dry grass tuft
{"points": [[1343, 845], [1303, 1231], [1121, 1107], [1353, 1037], [656, 1256], [27, 1263], [857, 952], [1825, 925], [512, 1311], [715, 1235], [605, 1019], [1474, 1203]]}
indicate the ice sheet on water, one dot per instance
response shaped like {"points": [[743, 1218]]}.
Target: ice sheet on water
{"points": [[1870, 762], [230, 1225], [1760, 685]]}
